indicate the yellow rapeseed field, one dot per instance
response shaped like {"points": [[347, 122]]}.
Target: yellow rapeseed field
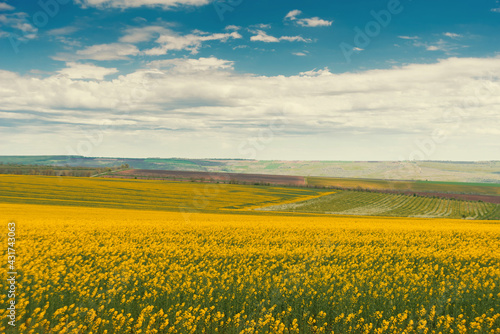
{"points": [[105, 270]]}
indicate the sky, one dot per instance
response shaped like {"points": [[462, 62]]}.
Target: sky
{"points": [[251, 79]]}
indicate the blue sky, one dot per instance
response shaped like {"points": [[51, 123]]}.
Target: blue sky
{"points": [[320, 80]]}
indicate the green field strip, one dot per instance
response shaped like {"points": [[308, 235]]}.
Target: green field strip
{"points": [[487, 208], [398, 202], [473, 210], [449, 208], [417, 205], [381, 204], [461, 208], [440, 208], [402, 209], [494, 213], [435, 208], [156, 195]]}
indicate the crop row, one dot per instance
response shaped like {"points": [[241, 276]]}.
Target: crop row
{"points": [[368, 203]]}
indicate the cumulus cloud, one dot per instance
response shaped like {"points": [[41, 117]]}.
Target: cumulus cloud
{"points": [[409, 37], [170, 40], [62, 31], [314, 22], [259, 26], [314, 73], [295, 39], [262, 36], [232, 27], [166, 39], [143, 34], [194, 66], [113, 51], [292, 15], [206, 94], [86, 71], [452, 35], [307, 22], [165, 4], [6, 6], [441, 45], [205, 98], [18, 24]]}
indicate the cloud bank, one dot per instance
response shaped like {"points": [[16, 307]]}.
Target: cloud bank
{"points": [[207, 95]]}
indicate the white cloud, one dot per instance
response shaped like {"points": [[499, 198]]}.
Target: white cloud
{"points": [[69, 43], [62, 35], [205, 95], [307, 22], [6, 6], [232, 27], [409, 37], [300, 54], [259, 26], [113, 51], [143, 34], [262, 36], [167, 40], [165, 4], [440, 45], [20, 25], [453, 35], [170, 40], [86, 71], [195, 66], [495, 10], [314, 22], [193, 100], [292, 15], [295, 39], [316, 73], [62, 31]]}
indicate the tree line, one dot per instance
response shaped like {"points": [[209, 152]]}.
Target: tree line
{"points": [[19, 169]]}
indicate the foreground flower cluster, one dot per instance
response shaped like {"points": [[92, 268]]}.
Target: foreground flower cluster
{"points": [[85, 270]]}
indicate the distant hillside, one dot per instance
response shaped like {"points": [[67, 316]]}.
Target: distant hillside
{"points": [[474, 172]]}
